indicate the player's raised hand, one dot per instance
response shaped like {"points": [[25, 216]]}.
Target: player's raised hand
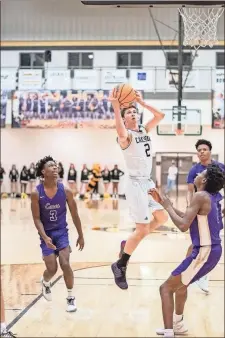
{"points": [[161, 199], [156, 195], [139, 97], [114, 100], [50, 245], [80, 242]]}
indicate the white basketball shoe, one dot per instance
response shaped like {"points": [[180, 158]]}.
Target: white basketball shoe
{"points": [[71, 304], [46, 290], [178, 327]]}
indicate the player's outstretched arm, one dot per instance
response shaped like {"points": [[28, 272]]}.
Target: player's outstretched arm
{"points": [[36, 215], [75, 216], [158, 115], [122, 132], [183, 223], [181, 220], [190, 182]]}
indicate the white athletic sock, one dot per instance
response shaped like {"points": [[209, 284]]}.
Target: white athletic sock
{"points": [[70, 293], [46, 283], [177, 318], [168, 333], [3, 327]]}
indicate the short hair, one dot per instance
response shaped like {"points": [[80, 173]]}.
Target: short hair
{"points": [[41, 163], [123, 111], [202, 141], [215, 179]]}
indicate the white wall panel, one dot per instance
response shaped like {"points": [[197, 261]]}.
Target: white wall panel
{"points": [[108, 58], [70, 20]]}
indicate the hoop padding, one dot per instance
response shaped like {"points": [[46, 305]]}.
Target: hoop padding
{"points": [[200, 25]]}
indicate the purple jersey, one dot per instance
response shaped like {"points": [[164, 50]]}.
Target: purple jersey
{"points": [[199, 168], [205, 229], [52, 210]]}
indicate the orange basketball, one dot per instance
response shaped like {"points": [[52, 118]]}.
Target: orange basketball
{"points": [[125, 94]]}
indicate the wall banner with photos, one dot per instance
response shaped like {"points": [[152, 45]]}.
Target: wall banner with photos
{"points": [[5, 106], [218, 100], [62, 109]]}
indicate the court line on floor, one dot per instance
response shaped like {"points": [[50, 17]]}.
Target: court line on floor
{"points": [[13, 309], [138, 278], [138, 285], [29, 306]]}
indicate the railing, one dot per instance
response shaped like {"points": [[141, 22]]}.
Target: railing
{"points": [[148, 79]]}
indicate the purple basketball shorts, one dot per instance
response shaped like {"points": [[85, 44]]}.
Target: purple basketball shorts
{"points": [[200, 262], [59, 238]]}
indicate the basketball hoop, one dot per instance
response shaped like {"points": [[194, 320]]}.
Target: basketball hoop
{"points": [[200, 25], [179, 132]]}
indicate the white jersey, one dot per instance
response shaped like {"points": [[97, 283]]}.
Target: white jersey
{"points": [[138, 154]]}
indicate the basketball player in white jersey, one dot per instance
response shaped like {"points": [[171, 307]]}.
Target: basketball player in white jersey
{"points": [[137, 149]]}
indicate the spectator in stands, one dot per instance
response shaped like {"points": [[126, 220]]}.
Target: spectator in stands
{"points": [[72, 178], [24, 178], [13, 176], [60, 171], [32, 176]]}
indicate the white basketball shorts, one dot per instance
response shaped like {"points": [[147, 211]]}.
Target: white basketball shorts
{"points": [[140, 201]]}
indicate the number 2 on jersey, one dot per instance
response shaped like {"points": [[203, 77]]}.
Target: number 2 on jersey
{"points": [[53, 215], [147, 149]]}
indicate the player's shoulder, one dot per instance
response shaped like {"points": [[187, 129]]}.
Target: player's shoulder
{"points": [[220, 164], [35, 193], [62, 187], [201, 197], [68, 191]]}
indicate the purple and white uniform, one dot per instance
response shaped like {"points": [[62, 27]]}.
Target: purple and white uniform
{"points": [[206, 241], [53, 218]]}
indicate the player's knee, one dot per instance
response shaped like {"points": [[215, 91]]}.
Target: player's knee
{"points": [[52, 269], [65, 265], [164, 288], [160, 216], [143, 231], [181, 291]]}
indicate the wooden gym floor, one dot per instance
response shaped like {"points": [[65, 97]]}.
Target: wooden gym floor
{"points": [[103, 309]]}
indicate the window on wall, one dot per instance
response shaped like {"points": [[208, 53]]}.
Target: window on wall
{"points": [[80, 60], [220, 60], [172, 60], [129, 60], [32, 60]]}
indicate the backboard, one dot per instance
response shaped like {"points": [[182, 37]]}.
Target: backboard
{"points": [[153, 3], [190, 120]]}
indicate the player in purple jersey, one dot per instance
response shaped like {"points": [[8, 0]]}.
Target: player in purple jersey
{"points": [[204, 148], [48, 205], [202, 217]]}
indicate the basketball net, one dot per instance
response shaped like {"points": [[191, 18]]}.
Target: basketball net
{"points": [[200, 25]]}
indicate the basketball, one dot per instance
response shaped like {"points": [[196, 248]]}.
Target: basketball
{"points": [[125, 94]]}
